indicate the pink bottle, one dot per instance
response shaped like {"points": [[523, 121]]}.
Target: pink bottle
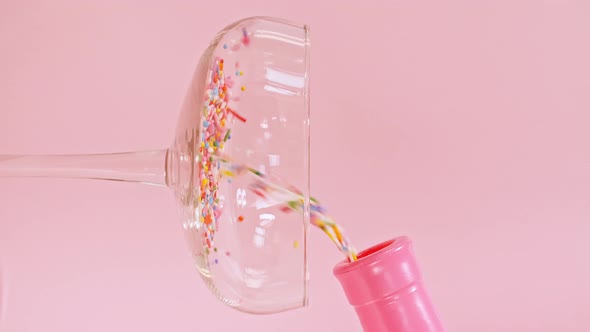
{"points": [[385, 288]]}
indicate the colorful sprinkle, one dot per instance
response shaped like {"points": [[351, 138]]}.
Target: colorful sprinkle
{"points": [[216, 119], [271, 190]]}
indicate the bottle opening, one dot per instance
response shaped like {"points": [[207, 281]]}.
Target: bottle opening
{"points": [[372, 254]]}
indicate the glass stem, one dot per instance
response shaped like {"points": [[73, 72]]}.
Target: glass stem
{"points": [[147, 167]]}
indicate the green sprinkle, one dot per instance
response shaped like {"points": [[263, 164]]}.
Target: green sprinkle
{"points": [[255, 172]]}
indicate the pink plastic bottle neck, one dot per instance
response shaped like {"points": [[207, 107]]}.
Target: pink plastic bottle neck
{"points": [[385, 288]]}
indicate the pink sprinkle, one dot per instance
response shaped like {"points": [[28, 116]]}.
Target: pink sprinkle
{"points": [[229, 82]]}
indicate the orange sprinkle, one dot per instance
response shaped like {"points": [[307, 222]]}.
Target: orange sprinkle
{"points": [[241, 218]]}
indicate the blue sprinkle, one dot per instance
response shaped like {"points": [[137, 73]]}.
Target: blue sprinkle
{"points": [[317, 208], [225, 46], [205, 124], [237, 73], [206, 145], [216, 261], [216, 91]]}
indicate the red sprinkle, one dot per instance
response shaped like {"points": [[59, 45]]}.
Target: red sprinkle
{"points": [[258, 193], [285, 209], [241, 118]]}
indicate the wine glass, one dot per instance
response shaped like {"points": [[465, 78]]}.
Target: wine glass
{"points": [[244, 123]]}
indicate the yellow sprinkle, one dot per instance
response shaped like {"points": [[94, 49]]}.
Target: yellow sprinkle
{"points": [[202, 144], [296, 244], [221, 146], [243, 88], [227, 173], [223, 123], [205, 181], [241, 73]]}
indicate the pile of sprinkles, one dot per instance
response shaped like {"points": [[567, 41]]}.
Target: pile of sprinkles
{"points": [[216, 118], [215, 132]]}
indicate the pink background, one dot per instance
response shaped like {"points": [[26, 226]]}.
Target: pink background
{"points": [[463, 124]]}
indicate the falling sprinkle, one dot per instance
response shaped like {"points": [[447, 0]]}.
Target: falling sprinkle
{"points": [[296, 244], [243, 88], [241, 218]]}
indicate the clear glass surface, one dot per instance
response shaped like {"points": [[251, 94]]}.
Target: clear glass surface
{"points": [[252, 255], [247, 108]]}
